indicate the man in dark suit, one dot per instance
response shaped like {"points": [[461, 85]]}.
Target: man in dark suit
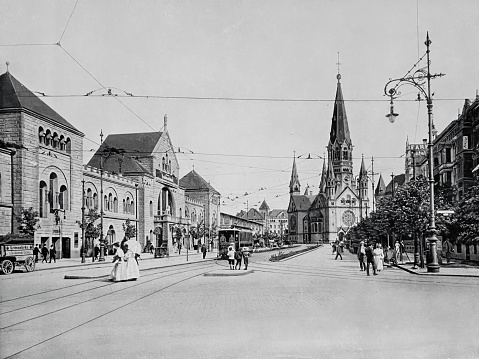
{"points": [[53, 254], [44, 253], [370, 259]]}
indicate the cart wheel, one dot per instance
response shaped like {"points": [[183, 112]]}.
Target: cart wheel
{"points": [[7, 266], [29, 264]]}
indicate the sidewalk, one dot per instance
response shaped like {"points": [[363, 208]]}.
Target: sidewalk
{"points": [[451, 269], [98, 269]]}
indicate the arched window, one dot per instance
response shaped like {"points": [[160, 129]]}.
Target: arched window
{"points": [[124, 206], [166, 164], [55, 140], [62, 143], [48, 138], [43, 199], [95, 201], [169, 166], [89, 198], [187, 212], [151, 208], [53, 193], [105, 203], [132, 207], [115, 205], [63, 198], [68, 145], [110, 202], [345, 153], [41, 136], [181, 213], [163, 164]]}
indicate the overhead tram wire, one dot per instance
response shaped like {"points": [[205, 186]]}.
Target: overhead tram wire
{"points": [[68, 22]]}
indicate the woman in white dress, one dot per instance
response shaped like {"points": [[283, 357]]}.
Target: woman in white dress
{"points": [[132, 270], [378, 257], [118, 273]]}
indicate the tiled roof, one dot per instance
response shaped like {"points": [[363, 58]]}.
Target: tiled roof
{"points": [[276, 212], [193, 181], [302, 203], [14, 95]]}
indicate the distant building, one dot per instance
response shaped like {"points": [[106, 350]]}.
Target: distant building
{"points": [[342, 199]]}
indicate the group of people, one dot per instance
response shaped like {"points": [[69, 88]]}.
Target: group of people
{"points": [[44, 251], [374, 256], [125, 264], [338, 247], [235, 258]]}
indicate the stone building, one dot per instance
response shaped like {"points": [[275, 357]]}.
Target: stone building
{"points": [[342, 199], [47, 167], [132, 176]]}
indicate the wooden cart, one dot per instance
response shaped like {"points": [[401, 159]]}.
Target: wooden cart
{"points": [[16, 251]]}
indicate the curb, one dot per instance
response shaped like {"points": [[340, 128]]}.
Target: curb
{"points": [[436, 274], [228, 273], [297, 255], [141, 270]]}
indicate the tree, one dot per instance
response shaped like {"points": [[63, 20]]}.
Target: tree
{"points": [[129, 229], [466, 218], [28, 221], [92, 231]]}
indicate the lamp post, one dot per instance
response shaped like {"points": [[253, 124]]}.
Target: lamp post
{"points": [[102, 245], [421, 80], [83, 260]]}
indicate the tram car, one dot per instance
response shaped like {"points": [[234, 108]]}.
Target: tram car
{"points": [[16, 251], [237, 237]]}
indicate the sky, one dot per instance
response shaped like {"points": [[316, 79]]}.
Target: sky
{"points": [[246, 85]]}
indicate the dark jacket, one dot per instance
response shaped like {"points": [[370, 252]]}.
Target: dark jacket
{"points": [[44, 251], [369, 254]]}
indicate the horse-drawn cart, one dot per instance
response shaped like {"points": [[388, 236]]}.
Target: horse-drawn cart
{"points": [[16, 251]]}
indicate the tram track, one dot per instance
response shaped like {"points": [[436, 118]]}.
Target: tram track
{"points": [[49, 301], [200, 270], [85, 282]]}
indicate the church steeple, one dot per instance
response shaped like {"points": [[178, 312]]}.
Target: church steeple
{"points": [[322, 184], [363, 181], [340, 147], [339, 125], [294, 185]]}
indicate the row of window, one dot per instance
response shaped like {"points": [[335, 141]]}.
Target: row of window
{"points": [[110, 203], [166, 164], [54, 140]]}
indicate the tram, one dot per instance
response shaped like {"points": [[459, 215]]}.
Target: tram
{"points": [[237, 237]]}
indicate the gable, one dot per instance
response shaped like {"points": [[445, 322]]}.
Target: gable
{"points": [[164, 149]]}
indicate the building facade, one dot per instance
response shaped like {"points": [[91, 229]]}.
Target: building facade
{"points": [[131, 177], [343, 197]]}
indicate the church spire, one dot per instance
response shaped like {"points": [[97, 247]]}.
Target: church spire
{"points": [[322, 184], [381, 187], [339, 125], [294, 185]]}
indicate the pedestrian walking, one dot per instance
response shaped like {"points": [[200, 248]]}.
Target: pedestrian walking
{"points": [[118, 273], [449, 249], [44, 253], [238, 258], [397, 249], [53, 254], [203, 250], [231, 257], [361, 255], [378, 257], [370, 259], [36, 250], [245, 259], [179, 248], [97, 251], [339, 250], [333, 245]]}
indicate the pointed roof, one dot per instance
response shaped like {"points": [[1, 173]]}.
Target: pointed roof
{"points": [[362, 171], [251, 215], [15, 96], [330, 171], [306, 191], [276, 212], [381, 187], [294, 176], [264, 206], [193, 181], [322, 184], [339, 125], [302, 202]]}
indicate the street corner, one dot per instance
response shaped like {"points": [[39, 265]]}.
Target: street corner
{"points": [[226, 272]]}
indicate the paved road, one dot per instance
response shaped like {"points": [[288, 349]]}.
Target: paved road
{"points": [[310, 306]]}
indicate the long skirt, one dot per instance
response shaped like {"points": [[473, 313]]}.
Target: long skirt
{"points": [[132, 270], [118, 273]]}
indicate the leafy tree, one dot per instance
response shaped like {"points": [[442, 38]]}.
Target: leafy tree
{"points": [[466, 219], [28, 221], [129, 229], [92, 230]]}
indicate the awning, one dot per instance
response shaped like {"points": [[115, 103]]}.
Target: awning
{"points": [[475, 169]]}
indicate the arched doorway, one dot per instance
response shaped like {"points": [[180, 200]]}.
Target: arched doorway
{"points": [[166, 202]]}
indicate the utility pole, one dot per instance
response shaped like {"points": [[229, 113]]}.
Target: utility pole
{"points": [[83, 221], [102, 245]]}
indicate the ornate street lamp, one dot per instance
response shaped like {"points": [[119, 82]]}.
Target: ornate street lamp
{"points": [[420, 79]]}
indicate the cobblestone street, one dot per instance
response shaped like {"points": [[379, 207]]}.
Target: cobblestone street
{"points": [[310, 306]]}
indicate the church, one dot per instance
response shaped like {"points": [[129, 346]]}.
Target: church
{"points": [[342, 200]]}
